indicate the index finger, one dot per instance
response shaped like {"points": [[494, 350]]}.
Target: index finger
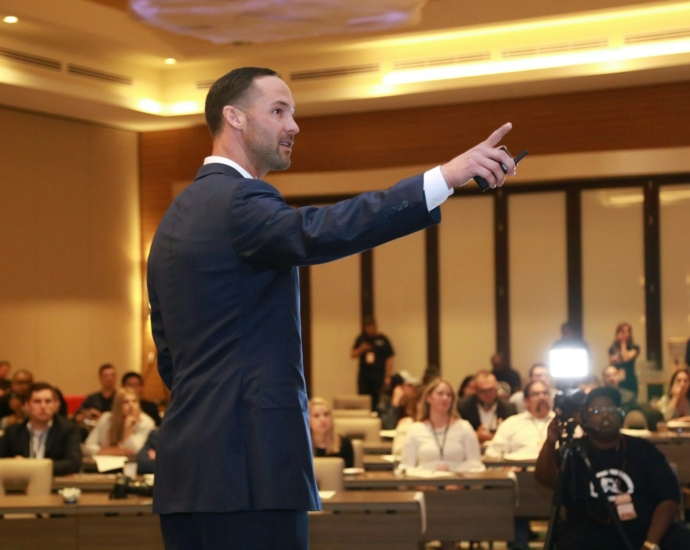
{"points": [[495, 138]]}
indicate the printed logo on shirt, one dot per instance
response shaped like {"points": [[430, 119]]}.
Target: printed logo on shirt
{"points": [[379, 342], [613, 482]]}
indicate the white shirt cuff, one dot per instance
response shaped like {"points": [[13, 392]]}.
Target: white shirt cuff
{"points": [[435, 188]]}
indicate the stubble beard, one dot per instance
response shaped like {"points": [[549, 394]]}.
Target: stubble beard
{"points": [[265, 151]]}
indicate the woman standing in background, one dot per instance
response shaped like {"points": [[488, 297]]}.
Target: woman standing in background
{"points": [[623, 353]]}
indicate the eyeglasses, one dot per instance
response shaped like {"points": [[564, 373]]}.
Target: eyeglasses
{"points": [[601, 410], [485, 390]]}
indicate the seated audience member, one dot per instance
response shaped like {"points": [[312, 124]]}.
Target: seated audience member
{"points": [[467, 387], [526, 430], [675, 405], [505, 373], [44, 434], [20, 385], [135, 381], [484, 410], [403, 392], [589, 383], [121, 432], [18, 414], [439, 440], [5, 383], [101, 401], [612, 380], [631, 472], [324, 440], [537, 373], [146, 458]]}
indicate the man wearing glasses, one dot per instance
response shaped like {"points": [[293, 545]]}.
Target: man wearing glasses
{"points": [[633, 474]]}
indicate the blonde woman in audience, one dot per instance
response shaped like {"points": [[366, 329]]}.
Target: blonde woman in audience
{"points": [[121, 432], [675, 405], [440, 440], [325, 441]]}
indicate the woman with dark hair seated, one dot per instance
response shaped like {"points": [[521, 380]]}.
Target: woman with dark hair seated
{"points": [[675, 405], [325, 441]]}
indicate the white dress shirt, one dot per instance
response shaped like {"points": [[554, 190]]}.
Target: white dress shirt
{"points": [[518, 433], [435, 188]]}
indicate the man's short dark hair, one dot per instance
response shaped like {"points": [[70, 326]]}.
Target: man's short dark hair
{"points": [[131, 374], [230, 89], [3, 363], [106, 366], [528, 387], [40, 386]]}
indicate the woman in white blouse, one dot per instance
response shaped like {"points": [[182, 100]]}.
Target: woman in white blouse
{"points": [[440, 440], [121, 432]]}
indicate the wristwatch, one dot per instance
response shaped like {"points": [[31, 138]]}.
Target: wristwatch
{"points": [[651, 545]]}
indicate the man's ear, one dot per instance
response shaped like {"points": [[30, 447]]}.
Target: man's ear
{"points": [[235, 118]]}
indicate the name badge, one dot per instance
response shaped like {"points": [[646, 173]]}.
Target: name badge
{"points": [[370, 358], [624, 507]]}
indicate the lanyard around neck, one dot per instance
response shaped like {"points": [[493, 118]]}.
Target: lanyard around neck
{"points": [[440, 444]]}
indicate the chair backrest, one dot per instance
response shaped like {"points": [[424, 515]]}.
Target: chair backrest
{"points": [[359, 428], [635, 420], [352, 413], [358, 453], [73, 402], [352, 402], [329, 473], [35, 475]]}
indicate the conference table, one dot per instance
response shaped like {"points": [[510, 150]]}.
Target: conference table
{"points": [[459, 507], [350, 519]]}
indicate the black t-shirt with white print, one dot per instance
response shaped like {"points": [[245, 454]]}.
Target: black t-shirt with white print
{"points": [[635, 467]]}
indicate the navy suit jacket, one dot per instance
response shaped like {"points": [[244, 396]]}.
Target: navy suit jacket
{"points": [[225, 316]]}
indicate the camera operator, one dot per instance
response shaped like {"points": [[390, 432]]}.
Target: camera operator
{"points": [[633, 474]]}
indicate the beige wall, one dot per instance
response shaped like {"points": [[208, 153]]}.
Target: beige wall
{"points": [[538, 276], [467, 302], [70, 276], [335, 291]]}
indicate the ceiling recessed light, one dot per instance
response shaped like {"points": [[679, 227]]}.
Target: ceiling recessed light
{"points": [[10, 19], [170, 61]]}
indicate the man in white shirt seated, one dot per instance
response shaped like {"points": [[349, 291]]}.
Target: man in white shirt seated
{"points": [[537, 372], [526, 431]]}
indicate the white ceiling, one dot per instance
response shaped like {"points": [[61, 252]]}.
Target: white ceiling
{"points": [[91, 60]]}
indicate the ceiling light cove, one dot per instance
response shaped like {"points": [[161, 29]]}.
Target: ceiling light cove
{"points": [[505, 66]]}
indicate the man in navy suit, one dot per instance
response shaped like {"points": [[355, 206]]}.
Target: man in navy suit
{"points": [[234, 466]]}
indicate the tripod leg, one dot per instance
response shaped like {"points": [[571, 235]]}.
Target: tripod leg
{"points": [[557, 500]]}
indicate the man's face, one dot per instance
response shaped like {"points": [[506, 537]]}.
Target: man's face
{"points": [[611, 377], [537, 402], [4, 371], [41, 406], [603, 418], [485, 387], [540, 374], [21, 382], [270, 130], [371, 330], [497, 361], [108, 379], [134, 383]]}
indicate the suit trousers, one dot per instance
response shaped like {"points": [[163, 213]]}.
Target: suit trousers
{"points": [[251, 530]]}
